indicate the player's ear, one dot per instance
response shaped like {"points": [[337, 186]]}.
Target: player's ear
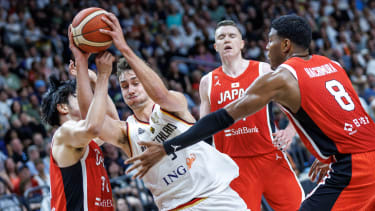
{"points": [[62, 108], [215, 47], [242, 44], [286, 45]]}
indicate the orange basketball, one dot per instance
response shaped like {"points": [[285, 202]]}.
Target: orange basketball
{"points": [[85, 30]]}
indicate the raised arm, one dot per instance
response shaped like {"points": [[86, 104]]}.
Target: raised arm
{"points": [[152, 83], [114, 130], [78, 134], [86, 81]]}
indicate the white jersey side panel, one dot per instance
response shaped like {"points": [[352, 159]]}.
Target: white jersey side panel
{"points": [[197, 171]]}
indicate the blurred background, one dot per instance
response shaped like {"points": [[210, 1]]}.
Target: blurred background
{"points": [[176, 39]]}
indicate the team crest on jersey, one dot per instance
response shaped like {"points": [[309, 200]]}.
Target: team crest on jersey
{"points": [[152, 130], [155, 119], [140, 131], [235, 85]]}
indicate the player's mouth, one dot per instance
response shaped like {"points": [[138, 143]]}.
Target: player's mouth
{"points": [[132, 97], [226, 48]]}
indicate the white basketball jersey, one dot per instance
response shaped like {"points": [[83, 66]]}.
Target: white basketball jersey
{"points": [[197, 171]]}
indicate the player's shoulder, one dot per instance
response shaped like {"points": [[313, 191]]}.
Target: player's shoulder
{"points": [[205, 80]]}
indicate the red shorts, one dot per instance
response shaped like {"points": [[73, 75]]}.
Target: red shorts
{"points": [[350, 185], [270, 175]]}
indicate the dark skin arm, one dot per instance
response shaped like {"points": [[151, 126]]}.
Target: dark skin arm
{"points": [[280, 86]]}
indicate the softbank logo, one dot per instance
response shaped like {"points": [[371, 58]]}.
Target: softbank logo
{"points": [[240, 131]]}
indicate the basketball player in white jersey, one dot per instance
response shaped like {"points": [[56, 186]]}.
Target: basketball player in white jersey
{"points": [[196, 178]]}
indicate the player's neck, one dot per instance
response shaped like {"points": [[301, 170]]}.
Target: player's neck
{"points": [[143, 112], [235, 66], [301, 54]]}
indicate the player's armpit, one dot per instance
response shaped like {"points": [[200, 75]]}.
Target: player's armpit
{"points": [[75, 134]]}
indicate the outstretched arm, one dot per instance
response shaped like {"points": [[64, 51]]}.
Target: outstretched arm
{"points": [[280, 86], [152, 83]]}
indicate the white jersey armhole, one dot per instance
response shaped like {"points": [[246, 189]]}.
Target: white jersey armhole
{"points": [[290, 68], [260, 66], [209, 86]]}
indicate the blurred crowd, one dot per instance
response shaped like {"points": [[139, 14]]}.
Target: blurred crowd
{"points": [[176, 39]]}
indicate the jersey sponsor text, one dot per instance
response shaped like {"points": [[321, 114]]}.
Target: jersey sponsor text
{"points": [[240, 131]]}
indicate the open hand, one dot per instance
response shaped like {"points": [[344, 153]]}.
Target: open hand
{"points": [[282, 139], [104, 62], [318, 168], [116, 32], [143, 162]]}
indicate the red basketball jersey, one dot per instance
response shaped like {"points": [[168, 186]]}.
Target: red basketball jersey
{"points": [[82, 186], [331, 119], [252, 135]]}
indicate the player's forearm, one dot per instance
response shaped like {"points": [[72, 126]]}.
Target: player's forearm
{"points": [[84, 91], [151, 82], [205, 127], [95, 115]]}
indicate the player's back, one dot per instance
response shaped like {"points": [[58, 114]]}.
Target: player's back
{"points": [[331, 119], [82, 186]]}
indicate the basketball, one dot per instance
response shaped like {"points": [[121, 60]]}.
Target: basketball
{"points": [[85, 29]]}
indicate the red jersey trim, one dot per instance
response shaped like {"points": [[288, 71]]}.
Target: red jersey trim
{"points": [[312, 143], [140, 121], [130, 143], [243, 74]]}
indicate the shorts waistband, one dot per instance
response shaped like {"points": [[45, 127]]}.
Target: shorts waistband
{"points": [[190, 203]]}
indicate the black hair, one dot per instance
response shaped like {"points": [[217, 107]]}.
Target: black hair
{"points": [[58, 93], [227, 23], [122, 66], [295, 28]]}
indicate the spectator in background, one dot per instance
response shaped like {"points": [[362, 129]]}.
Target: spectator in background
{"points": [[42, 177], [24, 180], [16, 151], [12, 81], [47, 21], [34, 157]]}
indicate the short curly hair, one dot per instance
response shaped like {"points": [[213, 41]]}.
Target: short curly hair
{"points": [[295, 28]]}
